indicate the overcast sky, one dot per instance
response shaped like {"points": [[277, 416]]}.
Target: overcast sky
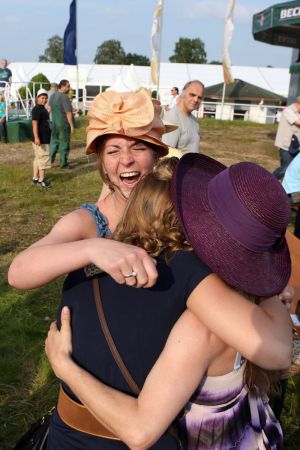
{"points": [[26, 25]]}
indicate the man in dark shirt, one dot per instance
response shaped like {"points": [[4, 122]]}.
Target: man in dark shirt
{"points": [[62, 123], [5, 74]]}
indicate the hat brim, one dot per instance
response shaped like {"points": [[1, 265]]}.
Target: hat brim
{"points": [[160, 147], [258, 273]]}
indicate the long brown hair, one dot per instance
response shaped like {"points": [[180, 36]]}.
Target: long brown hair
{"points": [[150, 220]]}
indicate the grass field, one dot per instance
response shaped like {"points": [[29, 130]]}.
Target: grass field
{"points": [[27, 385]]}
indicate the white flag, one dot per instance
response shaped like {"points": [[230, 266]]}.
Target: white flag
{"points": [[228, 30], [155, 41]]}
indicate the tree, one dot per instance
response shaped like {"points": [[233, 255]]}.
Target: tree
{"points": [[215, 62], [189, 51], [137, 60], [110, 52], [39, 78], [54, 53]]}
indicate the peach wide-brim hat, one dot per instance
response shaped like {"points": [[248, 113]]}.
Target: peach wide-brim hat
{"points": [[131, 114]]}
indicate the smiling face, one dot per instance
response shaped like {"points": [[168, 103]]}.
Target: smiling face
{"points": [[191, 97], [126, 160], [42, 99]]}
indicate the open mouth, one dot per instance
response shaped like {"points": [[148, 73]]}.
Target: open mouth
{"points": [[130, 178]]}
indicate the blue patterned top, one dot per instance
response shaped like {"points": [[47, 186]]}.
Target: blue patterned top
{"points": [[99, 219]]}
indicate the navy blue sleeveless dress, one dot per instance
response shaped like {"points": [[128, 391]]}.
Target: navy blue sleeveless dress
{"points": [[140, 321]]}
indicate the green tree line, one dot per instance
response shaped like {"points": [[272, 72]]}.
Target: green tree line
{"points": [[111, 52]]}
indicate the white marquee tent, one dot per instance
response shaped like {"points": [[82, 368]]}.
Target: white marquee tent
{"points": [[274, 79]]}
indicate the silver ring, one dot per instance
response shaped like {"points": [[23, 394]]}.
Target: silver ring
{"points": [[131, 274]]}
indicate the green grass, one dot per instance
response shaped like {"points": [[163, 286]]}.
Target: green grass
{"points": [[27, 386]]}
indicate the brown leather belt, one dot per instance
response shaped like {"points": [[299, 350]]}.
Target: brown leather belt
{"points": [[77, 416]]}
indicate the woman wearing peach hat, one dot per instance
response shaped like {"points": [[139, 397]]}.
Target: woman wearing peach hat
{"points": [[125, 131]]}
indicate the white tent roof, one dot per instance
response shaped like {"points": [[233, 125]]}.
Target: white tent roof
{"points": [[274, 79], [130, 81]]}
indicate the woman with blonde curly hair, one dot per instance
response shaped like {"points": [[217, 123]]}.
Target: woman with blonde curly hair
{"points": [[229, 408]]}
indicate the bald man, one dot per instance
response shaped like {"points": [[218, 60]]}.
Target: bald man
{"points": [[187, 136]]}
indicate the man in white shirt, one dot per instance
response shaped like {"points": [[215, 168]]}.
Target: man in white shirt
{"points": [[174, 98], [187, 136], [289, 124]]}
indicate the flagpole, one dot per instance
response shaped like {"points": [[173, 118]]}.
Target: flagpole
{"points": [[70, 44], [155, 45], [159, 48], [226, 62]]}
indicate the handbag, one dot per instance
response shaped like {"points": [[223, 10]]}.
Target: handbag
{"points": [[36, 437], [294, 147]]}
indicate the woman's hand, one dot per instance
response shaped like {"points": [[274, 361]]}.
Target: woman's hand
{"points": [[121, 260], [58, 345], [286, 296]]}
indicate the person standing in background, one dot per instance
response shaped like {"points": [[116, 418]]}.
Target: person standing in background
{"points": [[62, 124], [41, 139], [289, 124], [186, 138], [53, 88], [174, 98], [5, 74], [3, 127]]}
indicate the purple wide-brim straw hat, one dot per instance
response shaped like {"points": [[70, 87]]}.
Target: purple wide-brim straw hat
{"points": [[235, 219]]}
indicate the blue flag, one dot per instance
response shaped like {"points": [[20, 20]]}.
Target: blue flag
{"points": [[70, 57]]}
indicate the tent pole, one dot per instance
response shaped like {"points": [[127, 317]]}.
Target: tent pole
{"points": [[159, 48], [223, 99], [77, 88]]}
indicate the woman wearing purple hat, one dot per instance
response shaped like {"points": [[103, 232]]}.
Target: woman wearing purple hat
{"points": [[229, 409]]}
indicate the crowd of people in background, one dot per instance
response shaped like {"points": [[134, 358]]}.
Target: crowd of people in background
{"points": [[52, 123]]}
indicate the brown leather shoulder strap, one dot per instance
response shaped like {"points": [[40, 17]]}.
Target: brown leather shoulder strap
{"points": [[117, 357]]}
